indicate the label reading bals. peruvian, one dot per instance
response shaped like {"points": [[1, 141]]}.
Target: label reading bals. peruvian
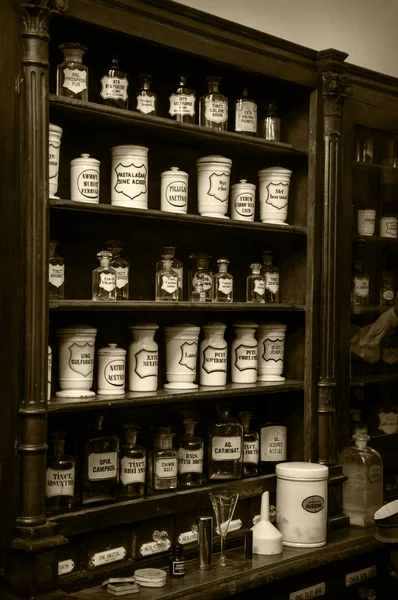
{"points": [[216, 112], [214, 360], [244, 204], [277, 195], [207, 282], [132, 470], [273, 443], [60, 483], [246, 357], [107, 281], [219, 186], [246, 117], [114, 88], [169, 283], [146, 104], [225, 285], [75, 80], [272, 282], [274, 350], [182, 104], [131, 180], [114, 372], [102, 466], [189, 351], [56, 275], [251, 452], [52, 160], [226, 448], [166, 468], [361, 286], [81, 359], [190, 461], [146, 363], [88, 183], [176, 194], [122, 277], [259, 287]]}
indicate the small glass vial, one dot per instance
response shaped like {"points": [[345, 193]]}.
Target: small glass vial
{"points": [[176, 265], [100, 467], [251, 446], [114, 86], [163, 466], [190, 457], [104, 278], [271, 277], [214, 107], [56, 273], [60, 478], [246, 115], [72, 74], [177, 562], [270, 126], [146, 101], [387, 290], [167, 281], [360, 281], [225, 447], [122, 268], [255, 285], [223, 283], [200, 265], [132, 466], [199, 294], [182, 103]]}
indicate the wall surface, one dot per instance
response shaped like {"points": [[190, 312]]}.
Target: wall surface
{"points": [[365, 29]]}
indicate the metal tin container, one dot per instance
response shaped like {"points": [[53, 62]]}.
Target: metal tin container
{"points": [[243, 199], [174, 191], [85, 179], [213, 185], [129, 177], [111, 370], [54, 145]]}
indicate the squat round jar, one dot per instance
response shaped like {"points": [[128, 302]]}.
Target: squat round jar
{"points": [[111, 370]]}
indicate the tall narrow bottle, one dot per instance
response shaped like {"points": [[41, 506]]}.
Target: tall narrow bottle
{"points": [[176, 265], [255, 285], [146, 100], [271, 277], [122, 268], [114, 86], [60, 478], [190, 457], [72, 74], [246, 115], [360, 279], [182, 103], [132, 466], [225, 447], [101, 461], [56, 273], [272, 442], [251, 446], [167, 281], [104, 278], [214, 106], [163, 465], [223, 283]]}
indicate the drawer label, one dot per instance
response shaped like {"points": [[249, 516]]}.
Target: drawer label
{"points": [[362, 575], [155, 547], [314, 591], [65, 567], [233, 526], [108, 556], [187, 537]]}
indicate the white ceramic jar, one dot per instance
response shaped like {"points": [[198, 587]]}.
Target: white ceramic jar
{"points": [[129, 177], [76, 361], [85, 179], [243, 201], [302, 503], [271, 350], [143, 358], [213, 185], [244, 353], [388, 226], [366, 222], [274, 194], [181, 356], [174, 191], [54, 145], [213, 355], [111, 370]]}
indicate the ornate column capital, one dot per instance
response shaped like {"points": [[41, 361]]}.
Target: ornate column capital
{"points": [[335, 89], [36, 14]]}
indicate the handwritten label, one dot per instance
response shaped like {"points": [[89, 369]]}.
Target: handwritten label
{"points": [[122, 277], [169, 284], [146, 104], [107, 281], [108, 556], [314, 591], [225, 285], [362, 575], [219, 186]]}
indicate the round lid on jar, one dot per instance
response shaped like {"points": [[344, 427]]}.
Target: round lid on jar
{"points": [[182, 327], [175, 171], [82, 329], [148, 326], [55, 128], [243, 183], [302, 471], [123, 150], [111, 350], [84, 158], [215, 158], [245, 324], [272, 325], [215, 325], [279, 170]]}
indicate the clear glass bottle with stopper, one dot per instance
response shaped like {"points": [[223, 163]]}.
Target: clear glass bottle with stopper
{"points": [[214, 106], [251, 446], [146, 100], [255, 285], [200, 267], [360, 279], [122, 268], [104, 279], [60, 478], [246, 115], [72, 74], [167, 281], [56, 273], [190, 457], [163, 465], [225, 447], [182, 103], [132, 466], [114, 86], [270, 126], [271, 277], [198, 294], [176, 265], [223, 283]]}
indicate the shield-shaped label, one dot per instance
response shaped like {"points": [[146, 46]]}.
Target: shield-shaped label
{"points": [[131, 180], [75, 80], [122, 277], [53, 156], [176, 194], [361, 286], [189, 352], [88, 184], [56, 275], [219, 186], [146, 104], [214, 360], [246, 357], [391, 228], [146, 363], [274, 350], [107, 281], [81, 358], [272, 282], [277, 195], [259, 287]]}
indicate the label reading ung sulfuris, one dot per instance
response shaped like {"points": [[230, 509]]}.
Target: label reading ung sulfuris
{"points": [[226, 448], [60, 483], [81, 358], [102, 466], [190, 461], [56, 275], [132, 470]]}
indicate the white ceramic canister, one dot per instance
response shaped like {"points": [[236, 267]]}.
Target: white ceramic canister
{"points": [[213, 185], [174, 191], [181, 355], [271, 350], [143, 358], [76, 361], [111, 370], [302, 503], [49, 369], [274, 194], [244, 353], [243, 201], [54, 145], [388, 226], [85, 179], [213, 355], [366, 222], [129, 177]]}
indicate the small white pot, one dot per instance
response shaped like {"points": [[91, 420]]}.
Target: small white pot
{"points": [[366, 222], [85, 179], [174, 191], [243, 201], [111, 370], [213, 185], [129, 177], [274, 194]]}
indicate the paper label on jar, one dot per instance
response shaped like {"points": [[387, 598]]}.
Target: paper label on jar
{"points": [[122, 277], [146, 104], [75, 80], [216, 111], [273, 443], [132, 470], [107, 281], [388, 422], [81, 358], [88, 183], [146, 363], [102, 466], [189, 351], [207, 282], [169, 283], [389, 355], [277, 195], [155, 547], [225, 285], [246, 116], [244, 204], [131, 180], [53, 162], [313, 504], [272, 282], [259, 287], [114, 88], [65, 567], [361, 286], [219, 186], [214, 360], [114, 372], [226, 448], [108, 556], [251, 452], [274, 349], [362, 575], [176, 194], [182, 104], [166, 468], [390, 228], [60, 483], [374, 473], [190, 461], [314, 591], [246, 357], [388, 295], [56, 275]]}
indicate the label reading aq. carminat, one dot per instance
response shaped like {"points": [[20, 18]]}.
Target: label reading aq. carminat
{"points": [[81, 359], [131, 180]]}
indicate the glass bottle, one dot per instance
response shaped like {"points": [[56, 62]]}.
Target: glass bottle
{"points": [[214, 106], [389, 351], [114, 86], [177, 562], [167, 281], [122, 268], [60, 478], [271, 276], [251, 446], [163, 464], [246, 115], [200, 264], [100, 468], [182, 103], [104, 278], [225, 447], [270, 125], [223, 283], [363, 490], [272, 442], [190, 457], [360, 281], [56, 273], [255, 285], [72, 74], [387, 289], [176, 265], [146, 101], [199, 294], [132, 466]]}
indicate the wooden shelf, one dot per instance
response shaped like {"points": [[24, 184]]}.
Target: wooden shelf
{"points": [[376, 239], [363, 380], [231, 390], [67, 110], [149, 305], [368, 310]]}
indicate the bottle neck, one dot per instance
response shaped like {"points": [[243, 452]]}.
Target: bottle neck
{"points": [[104, 262], [267, 260], [223, 269], [131, 437], [190, 429], [52, 250], [59, 447], [145, 85], [255, 271], [213, 87], [115, 251], [74, 55], [170, 250]]}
